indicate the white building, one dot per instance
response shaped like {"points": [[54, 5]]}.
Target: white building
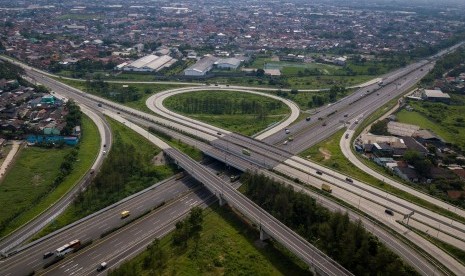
{"points": [[228, 63], [201, 67], [150, 63]]}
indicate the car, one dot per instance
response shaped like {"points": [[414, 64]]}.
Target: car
{"points": [[104, 152], [99, 105], [346, 115], [218, 133], [307, 119], [102, 266], [389, 212], [287, 131], [377, 94], [319, 172], [349, 180], [347, 135], [285, 142], [324, 124], [319, 118], [118, 112], [104, 145], [125, 214], [48, 254]]}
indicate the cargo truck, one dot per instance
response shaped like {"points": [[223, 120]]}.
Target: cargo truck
{"points": [[326, 188]]}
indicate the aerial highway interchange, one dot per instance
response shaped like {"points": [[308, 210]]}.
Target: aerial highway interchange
{"points": [[270, 156]]}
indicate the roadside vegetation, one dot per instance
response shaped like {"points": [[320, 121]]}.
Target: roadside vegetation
{"points": [[346, 242], [127, 169], [447, 121], [191, 151], [328, 153], [214, 241], [236, 111], [132, 94], [32, 184]]}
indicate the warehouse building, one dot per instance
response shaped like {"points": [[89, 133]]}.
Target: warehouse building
{"points": [[201, 67], [150, 63], [228, 63], [435, 96]]}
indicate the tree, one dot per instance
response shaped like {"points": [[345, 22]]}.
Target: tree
{"points": [[419, 162], [294, 91], [260, 73], [379, 128]]}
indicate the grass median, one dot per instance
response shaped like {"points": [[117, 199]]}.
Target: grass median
{"points": [[226, 245], [127, 169], [235, 111]]}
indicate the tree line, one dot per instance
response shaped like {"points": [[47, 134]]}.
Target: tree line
{"points": [[125, 171], [224, 106], [114, 92], [346, 242]]}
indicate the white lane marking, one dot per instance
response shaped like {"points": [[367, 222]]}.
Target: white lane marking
{"points": [[29, 264], [71, 267], [102, 226], [96, 256]]}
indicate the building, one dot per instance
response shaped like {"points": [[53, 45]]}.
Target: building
{"points": [[150, 63], [201, 67], [401, 129], [228, 63], [435, 96]]}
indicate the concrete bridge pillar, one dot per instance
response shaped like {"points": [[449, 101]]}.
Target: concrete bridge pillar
{"points": [[263, 235], [221, 199]]}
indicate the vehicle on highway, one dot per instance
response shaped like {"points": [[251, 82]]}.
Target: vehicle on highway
{"points": [[67, 248], [389, 212], [102, 266], [346, 115], [291, 138], [326, 188], [285, 142], [287, 131], [319, 172], [179, 175], [381, 83], [48, 254], [356, 121], [125, 214], [349, 180], [99, 105], [234, 178], [307, 119], [320, 119], [246, 152], [347, 135], [324, 124], [218, 133], [104, 152]]}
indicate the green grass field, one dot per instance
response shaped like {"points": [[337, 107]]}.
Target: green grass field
{"points": [[25, 191], [444, 120], [227, 246], [142, 148], [246, 124], [145, 89]]}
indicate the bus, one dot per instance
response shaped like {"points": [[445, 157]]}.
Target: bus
{"points": [[246, 152], [67, 248]]}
